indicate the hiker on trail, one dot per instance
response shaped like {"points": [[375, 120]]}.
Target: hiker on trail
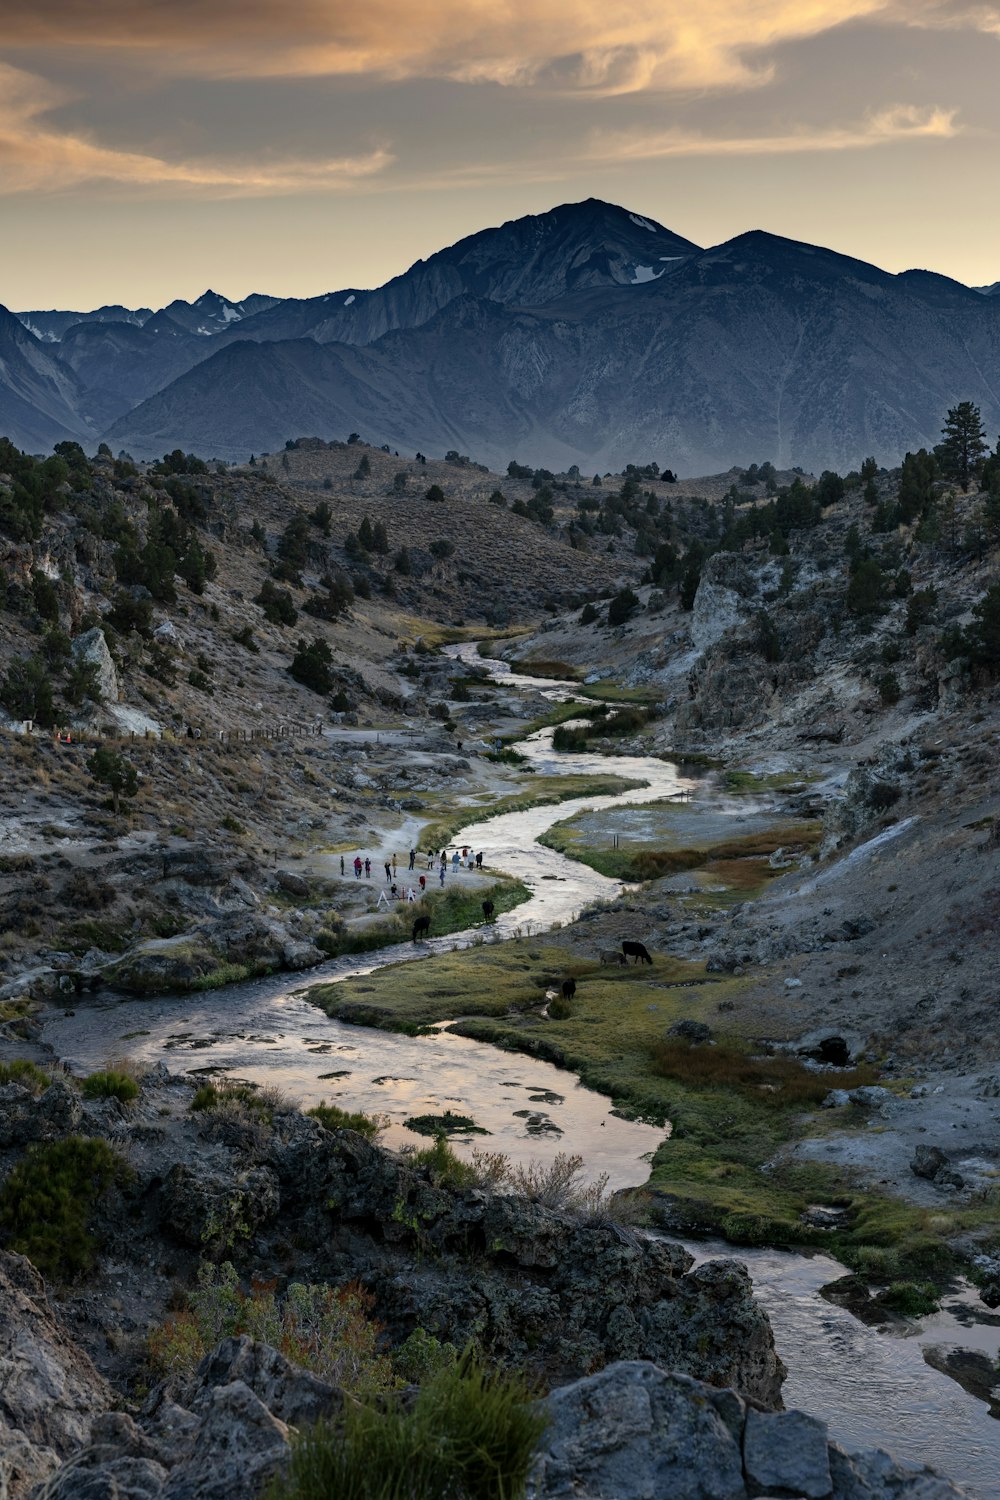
{"points": [[411, 894], [357, 867], [422, 882], [413, 858], [393, 864], [454, 863], [479, 860], [341, 864], [430, 860], [395, 892], [368, 868], [442, 873], [388, 873]]}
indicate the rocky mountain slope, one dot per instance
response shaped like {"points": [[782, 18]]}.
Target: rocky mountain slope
{"points": [[587, 335]]}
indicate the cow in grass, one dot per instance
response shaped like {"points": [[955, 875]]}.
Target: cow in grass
{"points": [[638, 951], [611, 956], [421, 927], [488, 910]]}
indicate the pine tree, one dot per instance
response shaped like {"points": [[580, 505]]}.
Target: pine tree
{"points": [[964, 443]]}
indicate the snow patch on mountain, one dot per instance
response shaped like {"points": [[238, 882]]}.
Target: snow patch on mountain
{"points": [[643, 223]]}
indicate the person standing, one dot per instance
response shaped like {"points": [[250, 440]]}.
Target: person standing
{"points": [[442, 873], [454, 863], [368, 868], [394, 866], [479, 860], [357, 867], [388, 873], [341, 864], [413, 858]]}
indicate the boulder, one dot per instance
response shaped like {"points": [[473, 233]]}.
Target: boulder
{"points": [[928, 1161], [295, 885], [91, 649], [786, 1451], [635, 1431], [238, 1447], [205, 1209], [23, 1117], [292, 1394], [695, 1032]]}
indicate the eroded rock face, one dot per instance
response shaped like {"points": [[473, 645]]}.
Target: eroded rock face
{"points": [[638, 1432], [49, 1390]]}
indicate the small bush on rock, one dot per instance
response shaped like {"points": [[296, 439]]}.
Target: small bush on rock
{"points": [[110, 1085], [27, 1074], [47, 1200], [328, 1330]]}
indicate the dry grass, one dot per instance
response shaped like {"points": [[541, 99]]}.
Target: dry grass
{"points": [[781, 1082]]}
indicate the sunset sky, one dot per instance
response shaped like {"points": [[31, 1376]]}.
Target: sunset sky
{"points": [[149, 150]]}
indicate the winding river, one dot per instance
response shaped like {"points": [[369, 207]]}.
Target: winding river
{"points": [[871, 1388]]}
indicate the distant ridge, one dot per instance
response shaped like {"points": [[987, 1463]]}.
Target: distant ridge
{"points": [[589, 334]]}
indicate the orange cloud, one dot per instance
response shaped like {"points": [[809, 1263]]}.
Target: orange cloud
{"points": [[580, 45], [897, 122], [35, 157]]}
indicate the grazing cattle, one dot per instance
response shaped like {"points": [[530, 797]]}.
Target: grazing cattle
{"points": [[568, 989], [611, 956], [488, 910], [635, 950], [421, 927]]}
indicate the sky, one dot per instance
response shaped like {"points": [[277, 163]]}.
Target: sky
{"points": [[150, 149]]}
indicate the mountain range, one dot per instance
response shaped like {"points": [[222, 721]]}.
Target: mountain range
{"points": [[589, 334]]}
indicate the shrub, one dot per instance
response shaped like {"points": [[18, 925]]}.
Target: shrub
{"points": [[312, 665], [470, 1434], [116, 772], [589, 614], [110, 1085], [47, 1200], [276, 604], [326, 1329], [622, 606], [332, 1117], [25, 1073], [888, 689], [913, 1299]]}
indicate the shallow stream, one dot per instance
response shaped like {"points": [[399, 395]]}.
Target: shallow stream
{"points": [[872, 1389]]}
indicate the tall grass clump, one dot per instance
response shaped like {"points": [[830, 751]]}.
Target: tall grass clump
{"points": [[470, 1434], [332, 1117], [110, 1084], [26, 1074], [48, 1199]]}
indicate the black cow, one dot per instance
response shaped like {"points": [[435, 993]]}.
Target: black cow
{"points": [[568, 989], [488, 910], [637, 951], [421, 927]]}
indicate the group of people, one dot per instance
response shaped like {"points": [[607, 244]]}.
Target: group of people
{"points": [[463, 859]]}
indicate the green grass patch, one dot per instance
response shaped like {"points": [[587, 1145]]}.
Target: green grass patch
{"points": [[541, 791], [451, 910], [47, 1202], [557, 671], [331, 1117], [446, 1124], [26, 1074], [470, 1434], [110, 1084], [742, 782], [78, 937], [740, 863]]}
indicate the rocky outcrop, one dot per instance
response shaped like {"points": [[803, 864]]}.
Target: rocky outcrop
{"points": [[91, 650], [638, 1432], [633, 1432], [49, 1390], [724, 598]]}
